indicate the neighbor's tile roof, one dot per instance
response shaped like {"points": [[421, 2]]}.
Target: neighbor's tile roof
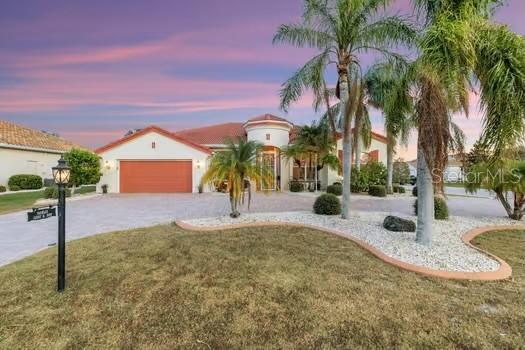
{"points": [[267, 116], [213, 134], [17, 135]]}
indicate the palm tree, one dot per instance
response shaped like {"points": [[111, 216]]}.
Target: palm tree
{"points": [[362, 126], [340, 30], [238, 167], [316, 141], [389, 92], [459, 42]]}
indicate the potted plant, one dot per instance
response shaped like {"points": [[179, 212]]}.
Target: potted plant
{"points": [[104, 189]]}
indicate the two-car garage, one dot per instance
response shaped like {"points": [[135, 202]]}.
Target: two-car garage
{"points": [[155, 176], [152, 160]]}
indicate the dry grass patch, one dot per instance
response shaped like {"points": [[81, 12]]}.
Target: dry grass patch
{"points": [[279, 287]]}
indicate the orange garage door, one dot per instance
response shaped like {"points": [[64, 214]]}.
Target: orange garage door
{"points": [[159, 176]]}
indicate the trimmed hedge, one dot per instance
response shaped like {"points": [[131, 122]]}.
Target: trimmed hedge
{"points": [[377, 191], [440, 208], [14, 188], [52, 192], [296, 187], [397, 188], [414, 191], [327, 204], [25, 182], [335, 189], [3, 189]]}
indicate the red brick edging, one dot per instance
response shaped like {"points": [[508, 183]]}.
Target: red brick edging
{"points": [[504, 271]]}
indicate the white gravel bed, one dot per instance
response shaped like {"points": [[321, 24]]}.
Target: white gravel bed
{"points": [[447, 251]]}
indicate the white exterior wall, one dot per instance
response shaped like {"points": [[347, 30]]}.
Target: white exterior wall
{"points": [[279, 137], [14, 161], [330, 176], [279, 134], [141, 149]]}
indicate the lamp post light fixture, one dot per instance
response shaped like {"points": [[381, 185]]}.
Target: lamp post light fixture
{"points": [[61, 174]]}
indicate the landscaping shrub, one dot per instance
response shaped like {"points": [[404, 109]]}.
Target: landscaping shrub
{"points": [[440, 208], [401, 172], [14, 188], [376, 173], [358, 181], [414, 191], [52, 192], [296, 186], [25, 182], [85, 167], [327, 204], [48, 192], [335, 189], [397, 188], [377, 191], [2, 189]]}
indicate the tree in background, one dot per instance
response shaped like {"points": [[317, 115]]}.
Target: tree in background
{"points": [[238, 166], [85, 167], [341, 30], [389, 91], [401, 173], [506, 178]]}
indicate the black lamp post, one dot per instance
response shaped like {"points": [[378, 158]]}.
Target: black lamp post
{"points": [[61, 174]]}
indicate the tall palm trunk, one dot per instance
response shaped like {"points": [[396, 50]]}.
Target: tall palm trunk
{"points": [[233, 203], [347, 139], [358, 148], [425, 199], [389, 162]]}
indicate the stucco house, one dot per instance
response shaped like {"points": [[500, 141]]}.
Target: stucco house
{"points": [[453, 172], [27, 151], [156, 160]]}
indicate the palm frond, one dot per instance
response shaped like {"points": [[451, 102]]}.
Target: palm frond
{"points": [[310, 76], [388, 32], [302, 36], [500, 68]]}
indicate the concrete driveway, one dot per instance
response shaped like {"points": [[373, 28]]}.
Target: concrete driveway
{"points": [[19, 238]]}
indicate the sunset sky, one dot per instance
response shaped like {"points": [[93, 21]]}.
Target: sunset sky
{"points": [[90, 70]]}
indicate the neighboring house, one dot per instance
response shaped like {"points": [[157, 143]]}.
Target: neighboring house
{"points": [[454, 171], [27, 151], [156, 160]]}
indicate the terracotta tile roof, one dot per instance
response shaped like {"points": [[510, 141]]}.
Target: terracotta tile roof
{"points": [[267, 117], [213, 134], [153, 128], [17, 135]]}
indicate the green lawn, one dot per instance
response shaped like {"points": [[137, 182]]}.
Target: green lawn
{"points": [[166, 288], [86, 189], [18, 201]]}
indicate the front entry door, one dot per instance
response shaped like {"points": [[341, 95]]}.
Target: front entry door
{"points": [[269, 161]]}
